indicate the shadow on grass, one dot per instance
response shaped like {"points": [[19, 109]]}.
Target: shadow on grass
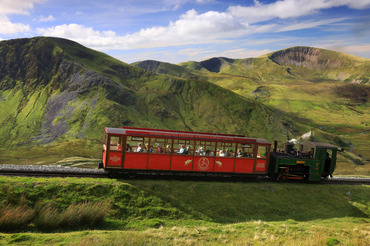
{"points": [[232, 202]]}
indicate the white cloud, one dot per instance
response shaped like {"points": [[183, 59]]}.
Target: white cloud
{"points": [[79, 33], [290, 8], [46, 19], [191, 52], [359, 50], [308, 24], [191, 28], [244, 53], [8, 7], [7, 27], [17, 6], [346, 46]]}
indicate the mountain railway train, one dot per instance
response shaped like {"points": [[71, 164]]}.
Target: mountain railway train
{"points": [[140, 150]]}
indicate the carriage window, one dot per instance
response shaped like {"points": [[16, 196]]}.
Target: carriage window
{"points": [[161, 145], [205, 148], [225, 149], [138, 144], [261, 153], [245, 150], [115, 143], [183, 147]]}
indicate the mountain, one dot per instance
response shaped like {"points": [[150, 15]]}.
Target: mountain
{"points": [[53, 91], [166, 68], [328, 89], [308, 63]]}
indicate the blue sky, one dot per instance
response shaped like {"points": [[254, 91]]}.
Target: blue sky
{"points": [[192, 30]]}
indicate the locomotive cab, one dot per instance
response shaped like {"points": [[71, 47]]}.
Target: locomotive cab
{"points": [[327, 154], [312, 161]]}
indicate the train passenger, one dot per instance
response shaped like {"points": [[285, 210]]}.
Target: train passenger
{"points": [[201, 151], [239, 153], [221, 153], [182, 149], [119, 147], [139, 148], [168, 149], [227, 153], [246, 154], [187, 150], [128, 148], [208, 152], [160, 150], [148, 148]]}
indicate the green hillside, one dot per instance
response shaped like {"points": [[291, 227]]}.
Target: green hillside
{"points": [[328, 90], [75, 211], [166, 68], [55, 91]]}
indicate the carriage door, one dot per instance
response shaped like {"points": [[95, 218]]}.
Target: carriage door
{"points": [[262, 156], [116, 153], [329, 162]]}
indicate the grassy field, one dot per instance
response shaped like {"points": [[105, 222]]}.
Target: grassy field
{"points": [[180, 212]]}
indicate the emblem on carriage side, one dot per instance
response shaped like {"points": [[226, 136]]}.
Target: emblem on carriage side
{"points": [[260, 165], [203, 163], [115, 158], [219, 163], [188, 162]]}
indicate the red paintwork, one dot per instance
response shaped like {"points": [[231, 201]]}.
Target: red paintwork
{"points": [[159, 162], [244, 165], [135, 160], [289, 177], [182, 162], [225, 164]]}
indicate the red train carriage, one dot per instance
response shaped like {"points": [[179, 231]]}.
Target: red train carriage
{"points": [[138, 149]]}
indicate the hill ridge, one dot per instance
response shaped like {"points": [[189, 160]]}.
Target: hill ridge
{"points": [[55, 90]]}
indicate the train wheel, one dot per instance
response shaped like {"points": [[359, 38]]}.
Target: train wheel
{"points": [[280, 177], [132, 175]]}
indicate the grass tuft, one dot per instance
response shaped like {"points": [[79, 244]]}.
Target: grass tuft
{"points": [[15, 218], [80, 215], [331, 241]]}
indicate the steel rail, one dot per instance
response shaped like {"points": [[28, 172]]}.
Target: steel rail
{"points": [[60, 171]]}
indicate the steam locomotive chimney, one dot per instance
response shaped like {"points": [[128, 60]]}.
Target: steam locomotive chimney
{"points": [[275, 146]]}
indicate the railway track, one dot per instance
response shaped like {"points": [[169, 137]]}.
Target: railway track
{"points": [[50, 171], [62, 171]]}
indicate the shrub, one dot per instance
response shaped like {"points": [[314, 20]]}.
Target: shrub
{"points": [[17, 238], [47, 218], [331, 241], [86, 214], [13, 218]]}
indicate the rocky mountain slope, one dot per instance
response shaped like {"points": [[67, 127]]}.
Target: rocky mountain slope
{"points": [[308, 63], [54, 90]]}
